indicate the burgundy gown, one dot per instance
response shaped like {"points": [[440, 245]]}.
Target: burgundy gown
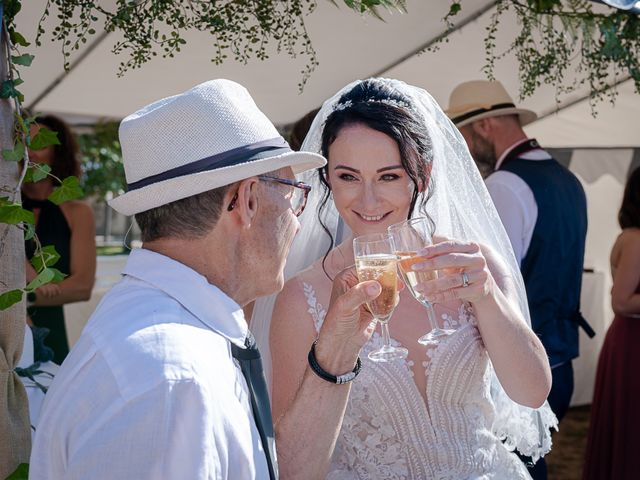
{"points": [[613, 447]]}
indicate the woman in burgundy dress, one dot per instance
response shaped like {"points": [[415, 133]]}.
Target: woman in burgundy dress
{"points": [[613, 449]]}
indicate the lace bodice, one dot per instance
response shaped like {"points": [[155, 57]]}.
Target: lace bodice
{"points": [[389, 432]]}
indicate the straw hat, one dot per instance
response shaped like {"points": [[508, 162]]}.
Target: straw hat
{"points": [[207, 137], [477, 99]]}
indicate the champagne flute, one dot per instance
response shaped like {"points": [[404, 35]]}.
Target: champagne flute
{"points": [[407, 239], [375, 261]]}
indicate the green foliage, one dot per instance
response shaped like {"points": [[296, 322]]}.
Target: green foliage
{"points": [[567, 44], [8, 89], [22, 472], [14, 155], [239, 29], [7, 299], [69, 190], [46, 257], [37, 172], [12, 213], [45, 276], [18, 39], [24, 60], [103, 170], [43, 139]]}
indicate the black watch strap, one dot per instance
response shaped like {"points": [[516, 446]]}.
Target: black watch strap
{"points": [[322, 373]]}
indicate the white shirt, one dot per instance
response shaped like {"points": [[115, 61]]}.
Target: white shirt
{"points": [[515, 202], [151, 391]]}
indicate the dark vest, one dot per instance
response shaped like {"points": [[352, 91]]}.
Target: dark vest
{"points": [[552, 266]]}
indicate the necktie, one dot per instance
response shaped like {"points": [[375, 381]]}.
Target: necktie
{"points": [[251, 366]]}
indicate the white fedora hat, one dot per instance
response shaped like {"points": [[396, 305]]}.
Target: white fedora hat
{"points": [[207, 137], [471, 101]]}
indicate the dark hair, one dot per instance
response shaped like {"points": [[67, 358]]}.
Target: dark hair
{"points": [[188, 218], [629, 214], [300, 129], [378, 105], [65, 155]]}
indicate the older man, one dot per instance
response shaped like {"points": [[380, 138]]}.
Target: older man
{"points": [[165, 381]]}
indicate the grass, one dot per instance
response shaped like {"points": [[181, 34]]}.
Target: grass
{"points": [[112, 250]]}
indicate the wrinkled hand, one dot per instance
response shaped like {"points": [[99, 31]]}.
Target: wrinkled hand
{"points": [[348, 324], [451, 258]]}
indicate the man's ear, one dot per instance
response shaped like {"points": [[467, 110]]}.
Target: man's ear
{"points": [[483, 127], [244, 202]]}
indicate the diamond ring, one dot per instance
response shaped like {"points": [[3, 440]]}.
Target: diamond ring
{"points": [[465, 279]]}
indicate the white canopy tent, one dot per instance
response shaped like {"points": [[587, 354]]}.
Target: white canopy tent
{"points": [[600, 150]]}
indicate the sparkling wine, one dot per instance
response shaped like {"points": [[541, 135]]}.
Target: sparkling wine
{"points": [[411, 277], [381, 268]]}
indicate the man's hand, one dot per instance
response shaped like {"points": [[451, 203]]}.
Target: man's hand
{"points": [[348, 325]]}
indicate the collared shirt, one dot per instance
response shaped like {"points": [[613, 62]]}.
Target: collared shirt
{"points": [[151, 391], [515, 202]]}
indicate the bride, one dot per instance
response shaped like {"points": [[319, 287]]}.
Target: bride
{"points": [[453, 410]]}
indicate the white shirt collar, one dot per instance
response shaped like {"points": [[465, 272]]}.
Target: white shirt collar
{"points": [[538, 154], [205, 301]]}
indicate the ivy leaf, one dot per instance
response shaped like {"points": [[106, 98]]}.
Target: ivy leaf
{"points": [[46, 257], [13, 213], [8, 89], [37, 172], [14, 155], [6, 300], [43, 139], [69, 190], [45, 276], [29, 231], [58, 276], [17, 38], [24, 60]]}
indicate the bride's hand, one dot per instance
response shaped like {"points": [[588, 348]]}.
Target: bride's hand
{"points": [[463, 273]]}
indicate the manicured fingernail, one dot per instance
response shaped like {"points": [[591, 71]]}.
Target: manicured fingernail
{"points": [[373, 289]]}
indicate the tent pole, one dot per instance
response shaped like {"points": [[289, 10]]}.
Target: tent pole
{"points": [[56, 81]]}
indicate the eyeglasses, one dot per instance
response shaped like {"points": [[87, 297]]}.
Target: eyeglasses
{"points": [[297, 198], [299, 193]]}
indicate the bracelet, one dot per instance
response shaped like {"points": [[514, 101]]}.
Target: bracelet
{"points": [[323, 374]]}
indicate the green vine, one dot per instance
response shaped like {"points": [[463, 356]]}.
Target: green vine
{"points": [[11, 211], [239, 30], [566, 44]]}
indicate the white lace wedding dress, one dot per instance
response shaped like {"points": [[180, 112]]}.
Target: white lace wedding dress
{"points": [[390, 433]]}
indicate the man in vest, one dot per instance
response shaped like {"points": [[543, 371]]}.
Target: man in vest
{"points": [[544, 211]]}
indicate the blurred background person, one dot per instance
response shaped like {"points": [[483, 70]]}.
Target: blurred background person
{"points": [[300, 128], [543, 208], [69, 227], [613, 440]]}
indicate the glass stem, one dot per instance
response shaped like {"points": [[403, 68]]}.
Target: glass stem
{"points": [[384, 326], [431, 313]]}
